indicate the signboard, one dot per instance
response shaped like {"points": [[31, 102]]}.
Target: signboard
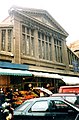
{"points": [[13, 66], [75, 66]]}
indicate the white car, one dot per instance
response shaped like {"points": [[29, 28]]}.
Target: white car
{"points": [[42, 91], [46, 108]]}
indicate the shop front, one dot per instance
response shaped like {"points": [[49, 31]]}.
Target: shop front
{"points": [[18, 76], [50, 81], [12, 75]]}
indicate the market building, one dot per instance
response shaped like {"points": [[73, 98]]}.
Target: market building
{"points": [[32, 41]]}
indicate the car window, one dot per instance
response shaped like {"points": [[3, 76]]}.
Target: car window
{"points": [[77, 101], [59, 106], [39, 106], [23, 106]]}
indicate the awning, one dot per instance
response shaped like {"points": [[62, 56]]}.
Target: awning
{"points": [[15, 72], [46, 75], [70, 80]]}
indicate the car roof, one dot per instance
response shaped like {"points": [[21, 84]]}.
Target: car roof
{"points": [[65, 94], [46, 98], [44, 90], [70, 86]]}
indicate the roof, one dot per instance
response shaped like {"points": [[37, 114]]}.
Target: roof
{"points": [[7, 22]]}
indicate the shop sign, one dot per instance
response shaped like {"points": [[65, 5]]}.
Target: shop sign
{"points": [[75, 66]]}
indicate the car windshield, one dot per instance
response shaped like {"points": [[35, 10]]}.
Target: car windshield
{"points": [[71, 99], [71, 103]]}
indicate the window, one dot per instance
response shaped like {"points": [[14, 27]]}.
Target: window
{"points": [[42, 36], [38, 34], [27, 41], [58, 50], [23, 44], [32, 32], [23, 107], [9, 40], [39, 46], [6, 39], [28, 30], [28, 45], [43, 50], [59, 106], [71, 99], [44, 46], [46, 51], [23, 28], [50, 49], [3, 42], [39, 106], [32, 46]]}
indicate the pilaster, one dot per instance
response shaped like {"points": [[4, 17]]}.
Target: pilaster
{"points": [[53, 50], [17, 35], [65, 54], [36, 43]]}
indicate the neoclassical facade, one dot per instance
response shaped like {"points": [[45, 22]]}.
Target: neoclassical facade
{"points": [[33, 37]]}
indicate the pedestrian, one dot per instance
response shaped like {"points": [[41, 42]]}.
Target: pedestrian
{"points": [[2, 97], [10, 96]]}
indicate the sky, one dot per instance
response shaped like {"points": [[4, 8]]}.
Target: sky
{"points": [[65, 12]]}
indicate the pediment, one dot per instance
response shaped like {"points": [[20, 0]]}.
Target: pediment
{"points": [[43, 17], [47, 20], [44, 20]]}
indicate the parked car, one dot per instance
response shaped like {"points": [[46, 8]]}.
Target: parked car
{"points": [[21, 96], [41, 91], [69, 89], [71, 97], [46, 108]]}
